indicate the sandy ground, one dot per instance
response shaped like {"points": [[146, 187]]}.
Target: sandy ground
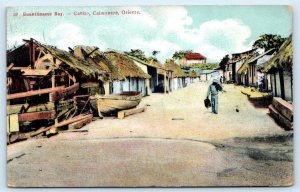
{"points": [[196, 148]]}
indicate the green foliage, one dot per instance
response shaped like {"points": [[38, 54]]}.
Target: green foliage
{"points": [[152, 58], [155, 52], [180, 54], [268, 41], [223, 62], [138, 54], [205, 66]]}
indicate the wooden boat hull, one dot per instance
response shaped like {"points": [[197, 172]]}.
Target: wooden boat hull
{"points": [[113, 103]]}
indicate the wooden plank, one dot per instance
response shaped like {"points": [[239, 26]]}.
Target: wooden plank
{"points": [[9, 67], [74, 119], [35, 72], [286, 123], [13, 123], [53, 128], [283, 107], [124, 113], [81, 123], [67, 104], [65, 92], [34, 92], [273, 112], [25, 108], [37, 116]]}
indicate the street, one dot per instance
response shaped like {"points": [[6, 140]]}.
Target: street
{"points": [[175, 142]]}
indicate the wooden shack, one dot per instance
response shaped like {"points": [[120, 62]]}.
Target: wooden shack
{"points": [[94, 56], [135, 77], [178, 78], [41, 83]]}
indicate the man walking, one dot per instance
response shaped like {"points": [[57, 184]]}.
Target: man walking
{"points": [[213, 90]]}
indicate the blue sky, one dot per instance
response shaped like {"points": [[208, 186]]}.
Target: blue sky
{"points": [[211, 30]]}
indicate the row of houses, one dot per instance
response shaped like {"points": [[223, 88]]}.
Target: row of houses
{"points": [[270, 72], [49, 88], [108, 72]]}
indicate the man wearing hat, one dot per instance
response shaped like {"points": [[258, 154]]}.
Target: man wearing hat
{"points": [[213, 90]]}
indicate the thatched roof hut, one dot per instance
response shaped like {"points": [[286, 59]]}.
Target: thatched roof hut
{"points": [[177, 71], [95, 57], [20, 56], [283, 59], [126, 66], [75, 63]]}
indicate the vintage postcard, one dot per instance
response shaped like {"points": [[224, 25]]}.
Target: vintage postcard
{"points": [[149, 96]]}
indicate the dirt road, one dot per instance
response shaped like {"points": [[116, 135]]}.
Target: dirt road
{"points": [[176, 142]]}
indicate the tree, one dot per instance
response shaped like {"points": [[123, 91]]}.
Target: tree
{"points": [[268, 41], [155, 52], [223, 62], [180, 54], [138, 54]]}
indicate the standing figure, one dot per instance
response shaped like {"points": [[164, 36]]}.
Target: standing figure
{"points": [[213, 90]]}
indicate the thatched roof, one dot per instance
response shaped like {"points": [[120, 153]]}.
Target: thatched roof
{"points": [[126, 66], [155, 64], [192, 73], [177, 71], [75, 63], [95, 57], [283, 59], [245, 65]]}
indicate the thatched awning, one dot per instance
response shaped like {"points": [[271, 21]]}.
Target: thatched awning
{"points": [[125, 65], [245, 65], [283, 59], [95, 57], [177, 71]]}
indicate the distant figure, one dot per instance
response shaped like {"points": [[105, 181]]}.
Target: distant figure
{"points": [[213, 90], [260, 81]]}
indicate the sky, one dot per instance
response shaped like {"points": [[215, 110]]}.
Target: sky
{"points": [[213, 31]]}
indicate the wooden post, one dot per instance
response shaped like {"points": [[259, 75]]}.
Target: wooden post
{"points": [[54, 129], [169, 82], [165, 82], [31, 53], [281, 79], [52, 82]]}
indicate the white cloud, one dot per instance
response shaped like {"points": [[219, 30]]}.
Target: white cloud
{"points": [[165, 47], [175, 19], [227, 36], [213, 38], [144, 19], [67, 35], [164, 28], [15, 41]]}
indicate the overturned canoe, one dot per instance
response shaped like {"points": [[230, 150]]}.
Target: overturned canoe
{"points": [[113, 103]]}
